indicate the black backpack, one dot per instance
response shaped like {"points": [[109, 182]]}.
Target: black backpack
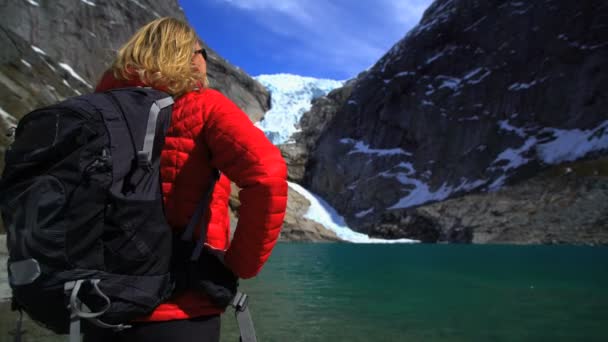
{"points": [[81, 202]]}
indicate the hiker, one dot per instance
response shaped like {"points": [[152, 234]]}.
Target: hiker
{"points": [[207, 132]]}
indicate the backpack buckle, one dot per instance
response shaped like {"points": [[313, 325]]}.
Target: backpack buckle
{"points": [[240, 301]]}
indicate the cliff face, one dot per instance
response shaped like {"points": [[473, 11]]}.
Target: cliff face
{"points": [[56, 49], [477, 96], [82, 34], [297, 151]]}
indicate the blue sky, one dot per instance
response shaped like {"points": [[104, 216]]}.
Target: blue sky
{"points": [[333, 39]]}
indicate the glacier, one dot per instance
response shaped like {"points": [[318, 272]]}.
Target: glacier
{"points": [[291, 96]]}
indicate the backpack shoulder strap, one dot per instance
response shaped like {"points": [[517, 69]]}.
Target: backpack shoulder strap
{"points": [[145, 154], [188, 234]]}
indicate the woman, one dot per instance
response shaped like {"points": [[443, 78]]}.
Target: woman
{"points": [[207, 132]]}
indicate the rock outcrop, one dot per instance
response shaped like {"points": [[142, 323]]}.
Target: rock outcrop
{"points": [[311, 125], [479, 95], [566, 204]]}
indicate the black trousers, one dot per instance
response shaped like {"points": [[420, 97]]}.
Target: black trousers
{"points": [[200, 329]]}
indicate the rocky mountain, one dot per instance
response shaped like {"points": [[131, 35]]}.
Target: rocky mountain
{"points": [[56, 49], [478, 96]]}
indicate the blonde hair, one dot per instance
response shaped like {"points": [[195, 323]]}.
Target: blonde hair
{"points": [[160, 55]]}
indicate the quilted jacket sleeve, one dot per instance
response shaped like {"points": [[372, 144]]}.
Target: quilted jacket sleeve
{"points": [[218, 232], [242, 152]]}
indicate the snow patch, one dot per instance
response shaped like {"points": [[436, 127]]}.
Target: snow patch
{"points": [[472, 26], [422, 193], [513, 156], [570, 145], [469, 118], [405, 73], [140, 5], [449, 82], [408, 166], [498, 183], [566, 145], [74, 74], [24, 62], [362, 147], [364, 213], [7, 117], [67, 84], [475, 76], [321, 212], [33, 3], [42, 53], [89, 2], [522, 86], [434, 57], [38, 50], [506, 126]]}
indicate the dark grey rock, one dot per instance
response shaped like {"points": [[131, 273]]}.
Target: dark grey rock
{"points": [[296, 156], [409, 224], [565, 204]]}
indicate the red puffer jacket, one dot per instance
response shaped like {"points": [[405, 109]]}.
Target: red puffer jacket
{"points": [[209, 131]]}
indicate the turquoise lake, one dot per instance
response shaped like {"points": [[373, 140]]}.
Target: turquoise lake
{"points": [[351, 292], [348, 292]]}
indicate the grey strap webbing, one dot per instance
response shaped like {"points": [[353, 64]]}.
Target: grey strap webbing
{"points": [[78, 310], [157, 106], [18, 332], [243, 317]]}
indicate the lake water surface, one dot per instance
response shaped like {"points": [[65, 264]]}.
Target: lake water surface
{"points": [[417, 292]]}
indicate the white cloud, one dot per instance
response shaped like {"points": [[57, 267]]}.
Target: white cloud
{"points": [[345, 35], [291, 8]]}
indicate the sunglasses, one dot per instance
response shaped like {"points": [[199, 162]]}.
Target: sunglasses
{"points": [[203, 53]]}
